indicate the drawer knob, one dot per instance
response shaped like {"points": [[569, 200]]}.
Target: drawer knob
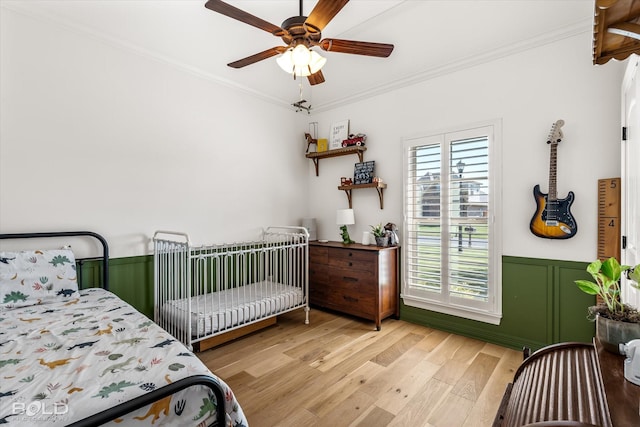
{"points": [[350, 264], [349, 279], [350, 254]]}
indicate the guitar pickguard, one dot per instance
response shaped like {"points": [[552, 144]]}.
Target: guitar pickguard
{"points": [[553, 220]]}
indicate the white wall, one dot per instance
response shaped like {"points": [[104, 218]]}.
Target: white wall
{"points": [[528, 91], [97, 137]]}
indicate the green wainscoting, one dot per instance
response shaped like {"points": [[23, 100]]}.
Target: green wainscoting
{"points": [[541, 305], [129, 278]]}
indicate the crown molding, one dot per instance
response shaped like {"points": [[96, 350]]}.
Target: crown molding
{"points": [[581, 27]]}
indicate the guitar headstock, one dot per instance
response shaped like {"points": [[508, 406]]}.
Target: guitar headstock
{"points": [[555, 134]]}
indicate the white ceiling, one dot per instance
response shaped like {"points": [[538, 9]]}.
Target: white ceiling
{"points": [[431, 37]]}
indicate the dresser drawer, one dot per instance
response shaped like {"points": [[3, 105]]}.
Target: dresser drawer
{"points": [[318, 255], [348, 278], [354, 259], [346, 297]]}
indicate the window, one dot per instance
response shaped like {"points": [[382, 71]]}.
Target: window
{"points": [[451, 235]]}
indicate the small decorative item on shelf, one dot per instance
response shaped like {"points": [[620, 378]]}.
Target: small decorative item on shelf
{"points": [[357, 140], [322, 145], [377, 179], [382, 239], [310, 141], [345, 181], [363, 172]]}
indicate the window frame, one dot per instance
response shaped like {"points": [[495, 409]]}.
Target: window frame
{"points": [[443, 302]]}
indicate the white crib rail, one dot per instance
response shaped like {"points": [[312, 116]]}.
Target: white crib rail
{"points": [[171, 272], [204, 291]]}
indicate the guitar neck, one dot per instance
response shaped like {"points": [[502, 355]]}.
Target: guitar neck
{"points": [[553, 163]]}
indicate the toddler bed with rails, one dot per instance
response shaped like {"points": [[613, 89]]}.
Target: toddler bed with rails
{"points": [[81, 356], [209, 294]]}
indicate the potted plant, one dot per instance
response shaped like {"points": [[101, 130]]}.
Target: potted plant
{"points": [[382, 239], [616, 322]]}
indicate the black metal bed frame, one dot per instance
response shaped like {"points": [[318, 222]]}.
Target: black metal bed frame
{"points": [[148, 398]]}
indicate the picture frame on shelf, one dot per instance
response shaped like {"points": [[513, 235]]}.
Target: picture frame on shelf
{"points": [[338, 133], [363, 172]]}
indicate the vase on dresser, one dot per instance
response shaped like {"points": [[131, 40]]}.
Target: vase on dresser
{"points": [[382, 241]]}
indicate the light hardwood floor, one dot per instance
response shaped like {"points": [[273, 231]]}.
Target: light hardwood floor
{"points": [[338, 371]]}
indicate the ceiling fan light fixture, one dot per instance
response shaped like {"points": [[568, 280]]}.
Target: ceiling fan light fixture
{"points": [[285, 62], [299, 34], [317, 61], [300, 55], [301, 71], [301, 61]]}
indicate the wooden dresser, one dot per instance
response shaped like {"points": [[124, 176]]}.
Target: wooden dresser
{"points": [[355, 279]]}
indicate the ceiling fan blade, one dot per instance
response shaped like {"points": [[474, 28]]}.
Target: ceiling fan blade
{"points": [[357, 48], [316, 78], [242, 16], [257, 57], [324, 12]]}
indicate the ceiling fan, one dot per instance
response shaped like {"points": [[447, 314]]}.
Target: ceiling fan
{"points": [[303, 33]]}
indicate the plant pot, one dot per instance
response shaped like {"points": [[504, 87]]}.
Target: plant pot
{"points": [[611, 333], [382, 241]]}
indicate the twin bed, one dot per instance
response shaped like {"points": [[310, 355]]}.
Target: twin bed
{"points": [[79, 355]]}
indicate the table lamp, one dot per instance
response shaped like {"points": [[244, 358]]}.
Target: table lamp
{"points": [[345, 217]]}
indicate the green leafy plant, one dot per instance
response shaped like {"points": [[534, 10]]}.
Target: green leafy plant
{"points": [[606, 285], [378, 230]]}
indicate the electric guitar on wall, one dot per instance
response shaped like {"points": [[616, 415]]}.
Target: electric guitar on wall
{"points": [[553, 219]]}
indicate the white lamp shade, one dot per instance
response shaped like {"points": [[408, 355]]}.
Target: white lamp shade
{"points": [[301, 71], [317, 62], [300, 56], [285, 62], [345, 217]]}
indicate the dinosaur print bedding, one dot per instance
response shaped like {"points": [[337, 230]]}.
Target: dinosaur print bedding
{"points": [[67, 359]]}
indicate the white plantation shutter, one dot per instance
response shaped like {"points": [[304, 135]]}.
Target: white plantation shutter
{"points": [[451, 261]]}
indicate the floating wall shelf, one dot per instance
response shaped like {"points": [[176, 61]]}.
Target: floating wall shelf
{"points": [[379, 186], [356, 149]]}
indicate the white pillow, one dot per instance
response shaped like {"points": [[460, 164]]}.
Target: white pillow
{"points": [[37, 277]]}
